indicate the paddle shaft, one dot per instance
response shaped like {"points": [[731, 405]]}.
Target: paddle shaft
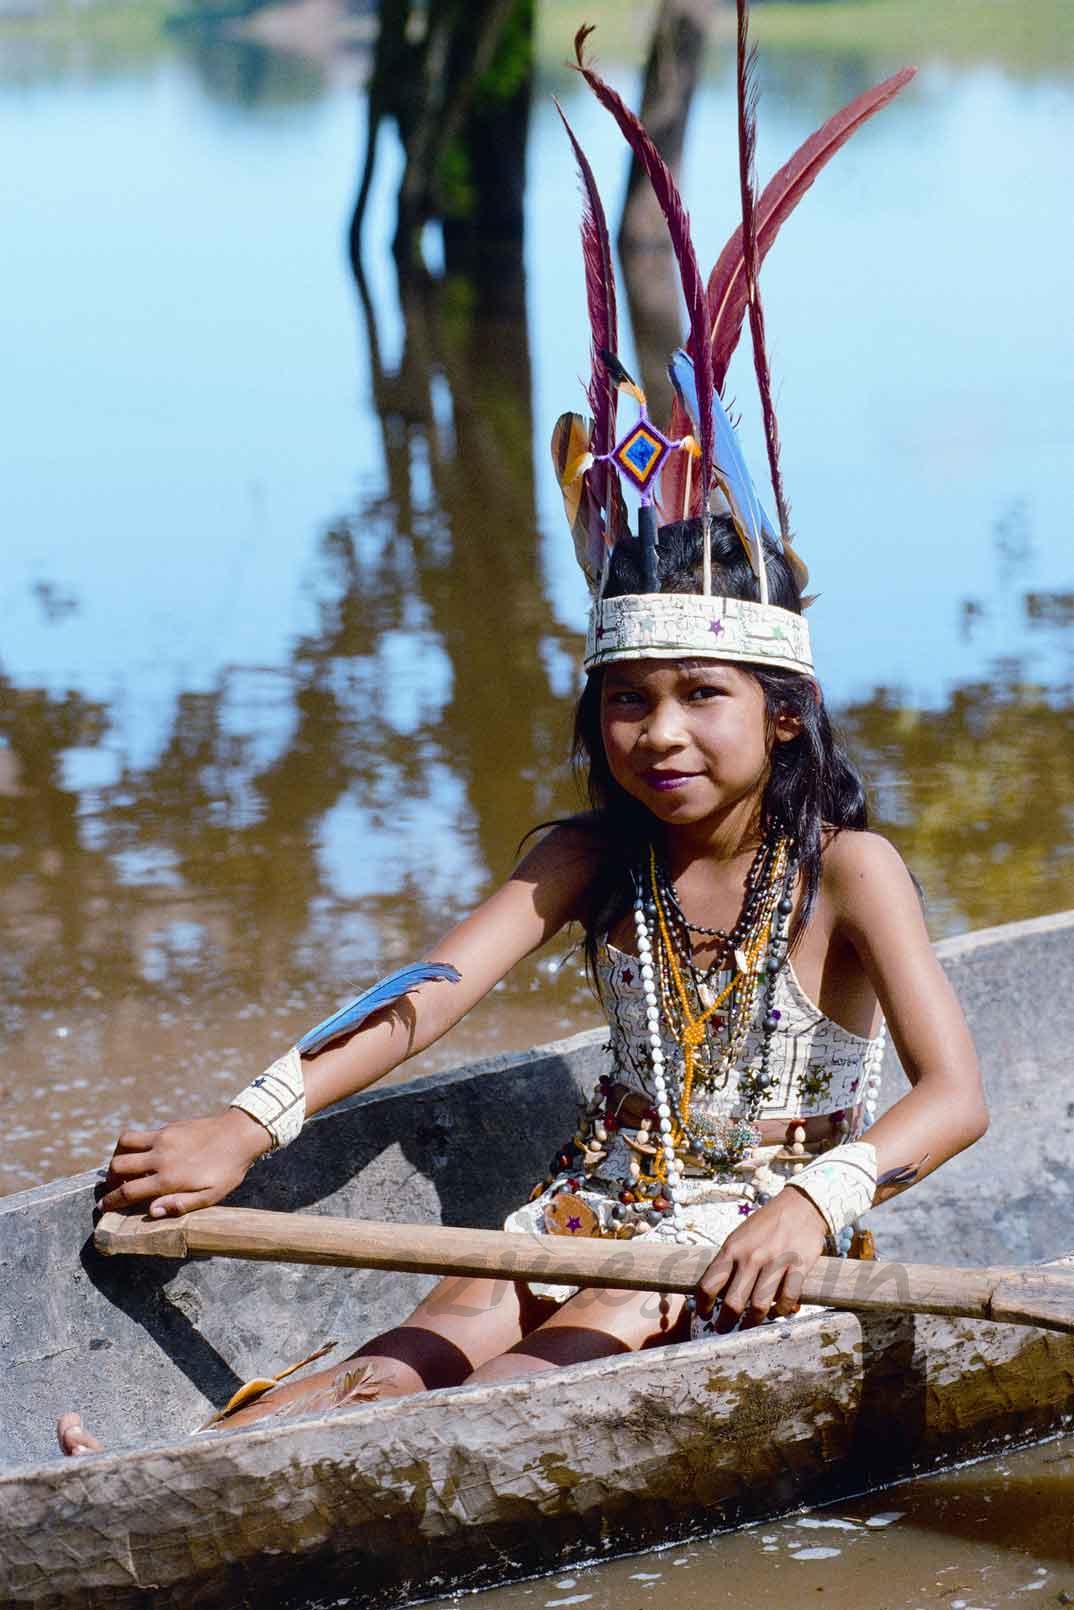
{"points": [[1029, 1297]]}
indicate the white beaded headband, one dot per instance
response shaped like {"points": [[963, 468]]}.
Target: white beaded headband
{"points": [[671, 626]]}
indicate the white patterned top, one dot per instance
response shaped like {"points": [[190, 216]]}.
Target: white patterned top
{"points": [[819, 1066]]}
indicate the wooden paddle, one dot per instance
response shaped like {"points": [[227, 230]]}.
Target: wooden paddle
{"points": [[1031, 1296]]}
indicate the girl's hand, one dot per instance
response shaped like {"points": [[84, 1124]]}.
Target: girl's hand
{"points": [[761, 1266], [185, 1165]]}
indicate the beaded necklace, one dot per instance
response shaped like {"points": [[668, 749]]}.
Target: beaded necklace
{"points": [[686, 998], [665, 975], [730, 940]]}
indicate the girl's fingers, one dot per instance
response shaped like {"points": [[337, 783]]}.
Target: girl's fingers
{"points": [[181, 1202], [712, 1283], [751, 1294], [131, 1163], [136, 1140], [789, 1299], [732, 1308], [765, 1291], [130, 1193]]}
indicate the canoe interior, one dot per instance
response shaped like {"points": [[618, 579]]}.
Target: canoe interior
{"points": [[145, 1351]]}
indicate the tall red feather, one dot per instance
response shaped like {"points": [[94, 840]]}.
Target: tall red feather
{"points": [[667, 194], [604, 327], [726, 293], [746, 84]]}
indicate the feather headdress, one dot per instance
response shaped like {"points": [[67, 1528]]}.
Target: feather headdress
{"points": [[699, 454]]}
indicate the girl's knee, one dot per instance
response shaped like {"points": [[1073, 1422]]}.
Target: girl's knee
{"points": [[413, 1357], [552, 1347], [509, 1366]]}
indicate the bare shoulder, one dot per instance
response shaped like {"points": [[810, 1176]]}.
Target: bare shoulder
{"points": [[574, 838], [867, 883], [850, 856], [564, 859]]}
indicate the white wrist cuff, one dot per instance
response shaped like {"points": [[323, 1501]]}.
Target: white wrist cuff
{"points": [[277, 1099], [841, 1183]]}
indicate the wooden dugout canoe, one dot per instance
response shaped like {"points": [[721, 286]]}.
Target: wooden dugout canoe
{"points": [[397, 1501]]}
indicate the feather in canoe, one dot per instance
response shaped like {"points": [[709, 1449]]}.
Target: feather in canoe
{"points": [[352, 1016], [678, 222]]}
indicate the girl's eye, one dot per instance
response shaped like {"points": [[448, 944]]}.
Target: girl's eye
{"points": [[624, 696], [706, 691]]}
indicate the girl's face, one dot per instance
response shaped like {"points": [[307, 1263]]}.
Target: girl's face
{"points": [[688, 738]]}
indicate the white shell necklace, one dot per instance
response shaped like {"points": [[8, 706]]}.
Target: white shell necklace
{"points": [[656, 1056]]}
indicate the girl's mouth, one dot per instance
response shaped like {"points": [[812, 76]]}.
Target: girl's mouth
{"points": [[663, 781]]}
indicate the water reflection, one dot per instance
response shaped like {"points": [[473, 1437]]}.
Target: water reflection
{"points": [[976, 795], [305, 824], [241, 72]]}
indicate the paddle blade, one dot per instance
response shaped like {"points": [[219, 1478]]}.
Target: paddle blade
{"points": [[352, 1016]]}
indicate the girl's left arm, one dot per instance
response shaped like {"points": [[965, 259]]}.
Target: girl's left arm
{"points": [[877, 909], [873, 906]]}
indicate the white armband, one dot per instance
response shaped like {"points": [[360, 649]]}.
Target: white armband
{"points": [[277, 1099], [841, 1183]]}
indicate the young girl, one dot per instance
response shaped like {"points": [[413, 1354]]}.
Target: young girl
{"points": [[696, 767], [746, 934]]}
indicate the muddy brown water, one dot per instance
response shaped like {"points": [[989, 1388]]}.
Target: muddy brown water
{"points": [[1000, 1532]]}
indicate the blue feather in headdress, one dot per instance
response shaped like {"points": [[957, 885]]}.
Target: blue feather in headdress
{"points": [[352, 1016], [729, 470]]}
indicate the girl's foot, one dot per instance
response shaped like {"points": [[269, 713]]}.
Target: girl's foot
{"points": [[72, 1436]]}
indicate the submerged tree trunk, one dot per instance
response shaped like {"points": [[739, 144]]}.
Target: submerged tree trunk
{"points": [[455, 77]]}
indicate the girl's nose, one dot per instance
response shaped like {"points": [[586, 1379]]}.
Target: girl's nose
{"points": [[663, 729]]}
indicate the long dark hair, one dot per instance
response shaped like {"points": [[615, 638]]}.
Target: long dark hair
{"points": [[812, 787]]}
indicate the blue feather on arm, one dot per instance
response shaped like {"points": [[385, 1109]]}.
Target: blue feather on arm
{"points": [[354, 1014], [905, 1174]]}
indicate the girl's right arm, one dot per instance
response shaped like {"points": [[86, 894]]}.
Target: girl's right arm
{"points": [[195, 1162]]}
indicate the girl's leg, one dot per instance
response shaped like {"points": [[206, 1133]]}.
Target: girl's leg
{"points": [[457, 1328], [594, 1324], [472, 1330], [453, 1331]]}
